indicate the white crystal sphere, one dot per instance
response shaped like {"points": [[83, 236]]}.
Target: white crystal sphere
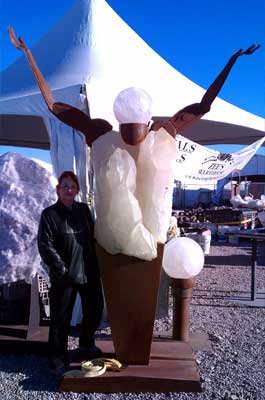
{"points": [[133, 105], [183, 258]]}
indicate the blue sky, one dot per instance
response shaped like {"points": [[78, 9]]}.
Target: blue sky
{"points": [[196, 38]]}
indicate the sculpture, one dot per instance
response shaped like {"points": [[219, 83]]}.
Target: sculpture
{"points": [[122, 275], [147, 189]]}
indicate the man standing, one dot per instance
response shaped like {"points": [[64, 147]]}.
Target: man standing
{"points": [[66, 245]]}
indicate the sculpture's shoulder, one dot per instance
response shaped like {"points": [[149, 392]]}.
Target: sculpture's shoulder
{"points": [[112, 137], [105, 145]]}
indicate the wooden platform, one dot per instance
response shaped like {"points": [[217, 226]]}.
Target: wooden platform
{"points": [[172, 368], [15, 339], [198, 341]]}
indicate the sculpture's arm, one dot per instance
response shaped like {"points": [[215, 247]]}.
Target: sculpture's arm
{"points": [[190, 114], [92, 128], [217, 85]]}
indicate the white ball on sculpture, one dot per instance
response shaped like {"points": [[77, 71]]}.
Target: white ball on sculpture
{"points": [[133, 105], [183, 258]]}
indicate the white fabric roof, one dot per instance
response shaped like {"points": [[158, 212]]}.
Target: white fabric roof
{"points": [[92, 45]]}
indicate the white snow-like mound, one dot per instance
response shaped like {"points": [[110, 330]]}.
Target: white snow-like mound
{"points": [[25, 190]]}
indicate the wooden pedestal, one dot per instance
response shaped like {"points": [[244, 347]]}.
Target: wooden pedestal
{"points": [[131, 289], [26, 338], [172, 368], [14, 339]]}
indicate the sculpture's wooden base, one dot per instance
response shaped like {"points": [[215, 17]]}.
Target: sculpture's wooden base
{"points": [[172, 368], [197, 341]]}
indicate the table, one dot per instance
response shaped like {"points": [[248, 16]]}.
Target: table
{"points": [[257, 297]]}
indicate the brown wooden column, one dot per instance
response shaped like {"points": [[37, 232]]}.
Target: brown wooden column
{"points": [[131, 290], [182, 294]]}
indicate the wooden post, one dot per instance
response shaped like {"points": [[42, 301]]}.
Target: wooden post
{"points": [[34, 315], [182, 294]]}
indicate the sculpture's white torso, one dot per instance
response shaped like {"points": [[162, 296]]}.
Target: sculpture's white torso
{"points": [[134, 187]]}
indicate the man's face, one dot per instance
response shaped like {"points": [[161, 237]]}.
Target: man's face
{"points": [[67, 191]]}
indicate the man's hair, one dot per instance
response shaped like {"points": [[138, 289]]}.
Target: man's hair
{"points": [[71, 175]]}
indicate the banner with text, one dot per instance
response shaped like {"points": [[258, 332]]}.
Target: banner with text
{"points": [[197, 164]]}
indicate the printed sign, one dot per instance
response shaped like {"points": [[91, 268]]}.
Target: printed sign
{"points": [[197, 164]]}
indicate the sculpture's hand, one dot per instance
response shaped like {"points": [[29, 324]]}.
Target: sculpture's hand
{"points": [[251, 49], [18, 43], [247, 52], [44, 88]]}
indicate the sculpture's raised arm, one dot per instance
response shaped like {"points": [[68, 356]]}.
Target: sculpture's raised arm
{"points": [[91, 128], [190, 114]]}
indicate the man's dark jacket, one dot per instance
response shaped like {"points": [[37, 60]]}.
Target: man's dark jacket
{"points": [[66, 244]]}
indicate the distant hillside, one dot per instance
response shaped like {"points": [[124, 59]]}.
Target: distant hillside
{"points": [[26, 188]]}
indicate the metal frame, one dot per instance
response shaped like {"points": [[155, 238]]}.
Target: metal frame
{"points": [[257, 297]]}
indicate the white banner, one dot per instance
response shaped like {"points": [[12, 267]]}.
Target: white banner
{"points": [[197, 164]]}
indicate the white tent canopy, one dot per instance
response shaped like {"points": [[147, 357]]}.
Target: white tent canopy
{"points": [[92, 47]]}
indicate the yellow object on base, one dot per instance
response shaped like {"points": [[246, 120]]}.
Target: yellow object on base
{"points": [[93, 368], [111, 363]]}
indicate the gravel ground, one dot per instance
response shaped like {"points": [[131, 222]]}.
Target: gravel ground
{"points": [[232, 370]]}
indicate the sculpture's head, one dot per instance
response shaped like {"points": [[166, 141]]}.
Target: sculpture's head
{"points": [[133, 109]]}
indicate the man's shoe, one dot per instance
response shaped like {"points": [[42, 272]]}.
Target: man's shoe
{"points": [[58, 372], [57, 367], [90, 352]]}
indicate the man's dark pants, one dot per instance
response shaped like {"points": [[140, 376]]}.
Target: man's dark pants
{"points": [[62, 300]]}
